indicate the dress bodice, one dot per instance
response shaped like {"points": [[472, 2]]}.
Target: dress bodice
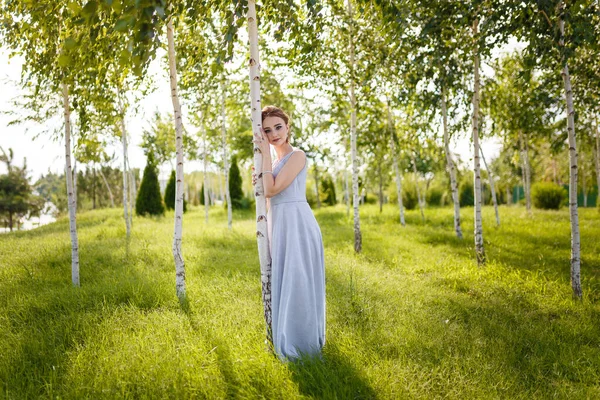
{"points": [[296, 191]]}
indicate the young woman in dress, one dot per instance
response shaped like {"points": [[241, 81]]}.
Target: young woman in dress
{"points": [[298, 268]]}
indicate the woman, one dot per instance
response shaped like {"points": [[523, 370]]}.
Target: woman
{"points": [[298, 268]]}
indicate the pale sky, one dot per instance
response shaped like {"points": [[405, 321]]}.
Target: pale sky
{"points": [[45, 154]]}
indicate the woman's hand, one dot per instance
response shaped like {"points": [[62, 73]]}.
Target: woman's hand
{"points": [[254, 178], [262, 142]]}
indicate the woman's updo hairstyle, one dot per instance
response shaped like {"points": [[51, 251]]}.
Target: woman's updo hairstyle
{"points": [[273, 111]]}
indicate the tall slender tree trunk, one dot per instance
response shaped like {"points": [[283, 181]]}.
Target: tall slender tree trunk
{"points": [[347, 192], [70, 191], [492, 187], [355, 194], [597, 163], [380, 187], [414, 163], [132, 194], [508, 196], [451, 168], [575, 239], [205, 174], [525, 170], [110, 194], [177, 236], [479, 249], [395, 164], [316, 177], [225, 155], [75, 184], [93, 187], [125, 186], [528, 173], [583, 177], [261, 206]]}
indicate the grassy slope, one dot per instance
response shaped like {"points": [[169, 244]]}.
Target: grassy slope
{"points": [[411, 317]]}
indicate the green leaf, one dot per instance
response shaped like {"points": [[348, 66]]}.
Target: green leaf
{"points": [[89, 9], [116, 6], [124, 23], [70, 43], [64, 60], [74, 7]]}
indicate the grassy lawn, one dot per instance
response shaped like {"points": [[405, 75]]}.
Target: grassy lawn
{"points": [[411, 317]]}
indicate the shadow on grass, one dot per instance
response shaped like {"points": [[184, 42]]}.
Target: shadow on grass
{"points": [[331, 377]]}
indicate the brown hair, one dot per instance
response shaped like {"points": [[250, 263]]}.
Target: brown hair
{"points": [[274, 111]]}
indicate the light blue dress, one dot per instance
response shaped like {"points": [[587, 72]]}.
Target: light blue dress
{"points": [[298, 277]]}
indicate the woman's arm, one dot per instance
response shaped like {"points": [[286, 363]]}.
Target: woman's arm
{"points": [[286, 176]]}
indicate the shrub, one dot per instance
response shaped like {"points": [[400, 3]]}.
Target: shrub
{"points": [[148, 200], [434, 196], [327, 194], [547, 195], [409, 195], [170, 194], [466, 194]]}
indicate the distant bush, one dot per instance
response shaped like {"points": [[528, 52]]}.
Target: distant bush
{"points": [[235, 185], [547, 195], [466, 193], [148, 199], [409, 195], [327, 194], [170, 194], [434, 196]]}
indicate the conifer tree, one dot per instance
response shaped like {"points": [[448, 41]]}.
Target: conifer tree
{"points": [[148, 199], [235, 184], [170, 194]]}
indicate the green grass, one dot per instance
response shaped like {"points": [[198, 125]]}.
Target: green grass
{"points": [[411, 317]]}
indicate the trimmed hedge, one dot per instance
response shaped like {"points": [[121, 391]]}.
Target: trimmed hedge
{"points": [[547, 195]]}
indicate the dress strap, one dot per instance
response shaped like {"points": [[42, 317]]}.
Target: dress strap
{"points": [[277, 162]]}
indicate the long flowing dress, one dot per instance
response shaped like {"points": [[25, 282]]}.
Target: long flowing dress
{"points": [[298, 271]]}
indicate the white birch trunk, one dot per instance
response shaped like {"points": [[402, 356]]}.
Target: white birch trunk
{"points": [[492, 187], [225, 156], [527, 174], [316, 176], [583, 178], [177, 236], [347, 191], [479, 249], [395, 165], [261, 206], [75, 183], [133, 198], [70, 192], [597, 164], [125, 187], [451, 168], [131, 194], [110, 194], [205, 174], [355, 194], [414, 163], [574, 214]]}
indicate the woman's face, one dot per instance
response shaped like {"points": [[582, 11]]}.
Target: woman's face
{"points": [[276, 130]]}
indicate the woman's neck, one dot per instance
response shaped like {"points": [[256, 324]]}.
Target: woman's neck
{"points": [[283, 150]]}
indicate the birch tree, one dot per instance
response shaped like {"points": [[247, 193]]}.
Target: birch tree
{"points": [[180, 285], [353, 154], [573, 24], [479, 248], [46, 34], [261, 206]]}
